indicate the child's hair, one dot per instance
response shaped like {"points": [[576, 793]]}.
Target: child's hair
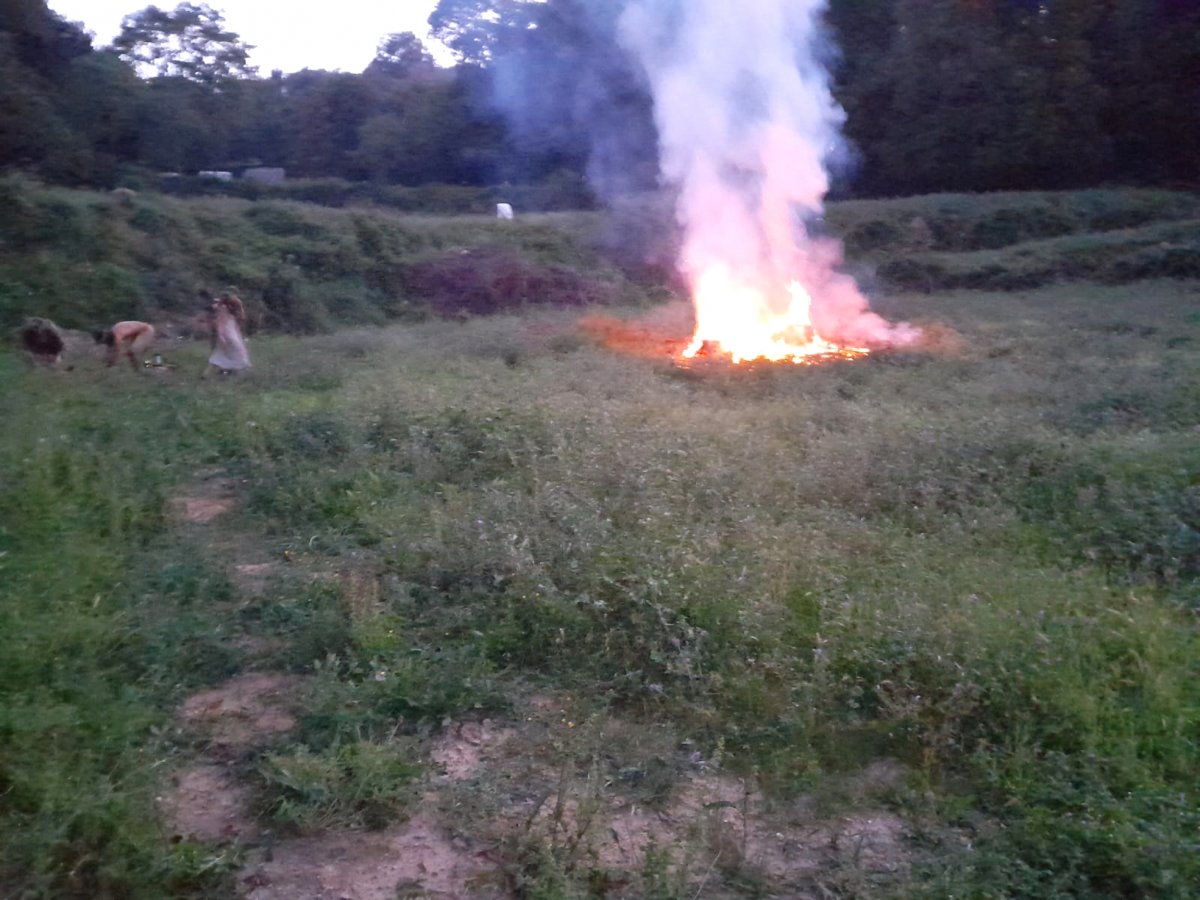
{"points": [[234, 304], [104, 337]]}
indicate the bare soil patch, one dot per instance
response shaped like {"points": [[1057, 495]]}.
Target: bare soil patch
{"points": [[727, 819], [251, 579], [246, 711], [465, 748], [202, 510], [210, 496], [713, 824], [208, 803], [708, 821], [416, 859]]}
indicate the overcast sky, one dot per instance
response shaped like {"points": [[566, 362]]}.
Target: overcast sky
{"points": [[286, 34]]}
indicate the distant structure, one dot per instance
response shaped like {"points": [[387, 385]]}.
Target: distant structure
{"points": [[264, 175], [504, 211], [213, 173]]}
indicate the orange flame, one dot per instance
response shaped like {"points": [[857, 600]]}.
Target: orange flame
{"points": [[736, 319]]}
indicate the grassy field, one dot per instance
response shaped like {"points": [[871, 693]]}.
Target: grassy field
{"points": [[953, 591]]}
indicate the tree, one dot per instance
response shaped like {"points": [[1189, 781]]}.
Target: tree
{"points": [[41, 39], [473, 29], [37, 49], [175, 126], [400, 55], [30, 127], [1060, 102], [572, 95], [954, 104], [1148, 54], [100, 100], [326, 111], [188, 42], [257, 120]]}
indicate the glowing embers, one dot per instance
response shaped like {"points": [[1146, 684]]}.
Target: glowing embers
{"points": [[738, 320]]}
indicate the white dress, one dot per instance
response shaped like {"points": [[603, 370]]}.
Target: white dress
{"points": [[230, 352]]}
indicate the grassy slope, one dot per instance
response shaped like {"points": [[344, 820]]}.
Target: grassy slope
{"points": [[87, 259], [1007, 241], [984, 565]]}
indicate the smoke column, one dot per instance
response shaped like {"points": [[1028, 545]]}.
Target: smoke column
{"points": [[745, 122]]}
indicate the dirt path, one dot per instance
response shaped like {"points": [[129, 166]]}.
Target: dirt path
{"points": [[496, 791]]}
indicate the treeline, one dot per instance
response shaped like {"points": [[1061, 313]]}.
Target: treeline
{"points": [[79, 116], [940, 95]]}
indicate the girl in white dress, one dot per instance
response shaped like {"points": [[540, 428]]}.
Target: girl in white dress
{"points": [[229, 353]]}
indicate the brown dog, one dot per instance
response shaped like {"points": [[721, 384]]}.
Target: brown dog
{"points": [[128, 339]]}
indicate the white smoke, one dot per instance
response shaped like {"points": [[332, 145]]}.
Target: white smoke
{"points": [[746, 121]]}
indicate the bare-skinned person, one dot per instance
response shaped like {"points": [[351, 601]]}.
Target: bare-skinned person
{"points": [[126, 339]]}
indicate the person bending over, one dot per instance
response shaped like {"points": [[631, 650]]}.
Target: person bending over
{"points": [[125, 339]]}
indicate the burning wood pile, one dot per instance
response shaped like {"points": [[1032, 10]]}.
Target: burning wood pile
{"points": [[746, 123]]}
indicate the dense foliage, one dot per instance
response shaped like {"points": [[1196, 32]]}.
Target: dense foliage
{"points": [[940, 95]]}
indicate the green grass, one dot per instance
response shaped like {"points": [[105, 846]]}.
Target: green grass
{"points": [[971, 222], [982, 564], [103, 621], [85, 259]]}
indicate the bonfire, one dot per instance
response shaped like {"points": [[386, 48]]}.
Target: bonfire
{"points": [[746, 123], [738, 321]]}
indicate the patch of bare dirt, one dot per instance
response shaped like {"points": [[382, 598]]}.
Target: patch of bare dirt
{"points": [[726, 818], [246, 711], [210, 495], [202, 510], [464, 748], [208, 803], [873, 842], [416, 859], [419, 858], [251, 579], [711, 822]]}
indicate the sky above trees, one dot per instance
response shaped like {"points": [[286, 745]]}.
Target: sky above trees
{"points": [[287, 34]]}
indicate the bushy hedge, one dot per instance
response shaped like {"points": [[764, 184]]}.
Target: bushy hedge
{"points": [[1154, 251], [563, 190], [959, 223]]}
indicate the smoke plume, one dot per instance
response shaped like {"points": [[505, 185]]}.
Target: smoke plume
{"points": [[746, 122]]}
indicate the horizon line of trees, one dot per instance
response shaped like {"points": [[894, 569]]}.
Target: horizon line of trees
{"points": [[940, 95]]}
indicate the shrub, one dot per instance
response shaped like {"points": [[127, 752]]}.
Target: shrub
{"points": [[491, 280], [360, 784]]}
